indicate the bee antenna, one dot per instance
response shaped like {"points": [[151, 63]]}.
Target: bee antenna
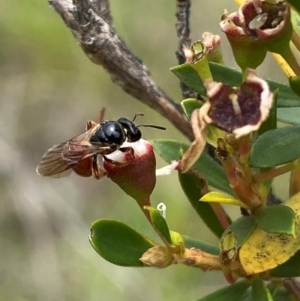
{"points": [[152, 126], [136, 115]]}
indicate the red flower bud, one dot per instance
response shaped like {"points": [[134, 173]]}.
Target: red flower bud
{"points": [[132, 168], [258, 27], [268, 22], [212, 44], [157, 257], [248, 52]]}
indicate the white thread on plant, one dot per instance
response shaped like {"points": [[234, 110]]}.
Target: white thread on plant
{"points": [[162, 208], [167, 170]]}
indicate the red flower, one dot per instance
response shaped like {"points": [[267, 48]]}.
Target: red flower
{"points": [[132, 168]]}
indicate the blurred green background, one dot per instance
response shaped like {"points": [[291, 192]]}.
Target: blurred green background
{"points": [[49, 89]]}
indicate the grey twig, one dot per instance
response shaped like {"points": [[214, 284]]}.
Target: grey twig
{"points": [[100, 7], [104, 47], [184, 39]]}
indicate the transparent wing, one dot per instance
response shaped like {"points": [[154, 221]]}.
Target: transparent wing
{"points": [[58, 160]]}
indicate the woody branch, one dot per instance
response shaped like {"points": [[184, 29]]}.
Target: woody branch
{"points": [[91, 24]]}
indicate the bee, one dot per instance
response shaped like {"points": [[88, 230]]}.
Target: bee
{"points": [[80, 153]]}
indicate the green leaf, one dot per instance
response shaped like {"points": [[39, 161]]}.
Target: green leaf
{"points": [[159, 224], [277, 219], [190, 186], [286, 96], [242, 228], [290, 268], [281, 294], [295, 4], [221, 73], [295, 84], [295, 20], [260, 291], [289, 115], [177, 239], [234, 292], [189, 76], [118, 243], [276, 147], [213, 172], [248, 295], [190, 242], [189, 105]]}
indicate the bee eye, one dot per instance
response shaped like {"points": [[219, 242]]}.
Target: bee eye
{"points": [[110, 132], [132, 131]]}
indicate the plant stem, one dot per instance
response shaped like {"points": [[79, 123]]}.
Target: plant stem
{"points": [[184, 40], [200, 259], [146, 212], [221, 215], [270, 174]]}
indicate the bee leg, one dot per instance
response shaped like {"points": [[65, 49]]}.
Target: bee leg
{"points": [[90, 124], [101, 115], [97, 170]]}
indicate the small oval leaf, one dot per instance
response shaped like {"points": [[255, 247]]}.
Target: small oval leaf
{"points": [[221, 73], [190, 186], [289, 115], [159, 224], [118, 243], [277, 219], [276, 147], [234, 292], [189, 76], [219, 197], [260, 292]]}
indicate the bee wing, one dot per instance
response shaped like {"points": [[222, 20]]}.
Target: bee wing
{"points": [[53, 163], [58, 160]]}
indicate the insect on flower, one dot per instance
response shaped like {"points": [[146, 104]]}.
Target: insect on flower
{"points": [[80, 154]]}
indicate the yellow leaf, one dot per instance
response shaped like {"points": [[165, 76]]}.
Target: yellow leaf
{"points": [[264, 251], [220, 197]]}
